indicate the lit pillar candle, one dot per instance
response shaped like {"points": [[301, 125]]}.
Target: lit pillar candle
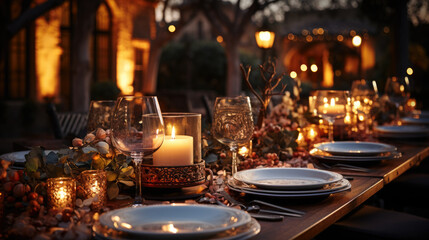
{"points": [[94, 183], [332, 108], [61, 192], [176, 150]]}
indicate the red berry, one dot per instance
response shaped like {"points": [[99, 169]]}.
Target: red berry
{"points": [[40, 199], [19, 190], [33, 196], [8, 186]]}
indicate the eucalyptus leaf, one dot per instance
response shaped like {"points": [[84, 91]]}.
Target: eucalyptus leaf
{"points": [[127, 182], [32, 164], [111, 176], [126, 172], [67, 169], [211, 158], [88, 149], [52, 158], [113, 191]]}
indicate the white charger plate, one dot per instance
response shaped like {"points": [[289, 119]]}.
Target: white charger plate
{"points": [[328, 188], [294, 196], [317, 153], [244, 232], [416, 120], [19, 157], [175, 221], [355, 148], [403, 131], [287, 178]]}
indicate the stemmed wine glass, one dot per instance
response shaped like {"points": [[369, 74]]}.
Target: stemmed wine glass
{"points": [[233, 123], [398, 91], [330, 105], [137, 131], [363, 95]]}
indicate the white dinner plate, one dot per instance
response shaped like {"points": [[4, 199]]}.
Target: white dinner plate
{"points": [[355, 148], [421, 113], [294, 196], [287, 178], [403, 131], [416, 120], [317, 153], [175, 221], [328, 188], [244, 232], [19, 157]]}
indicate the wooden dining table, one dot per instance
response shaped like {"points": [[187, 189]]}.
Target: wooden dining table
{"points": [[321, 214]]}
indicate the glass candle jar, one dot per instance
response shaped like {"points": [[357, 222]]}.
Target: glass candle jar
{"points": [[94, 183], [61, 192], [182, 142]]}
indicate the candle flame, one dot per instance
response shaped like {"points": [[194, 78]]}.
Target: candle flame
{"points": [[62, 193], [173, 133]]}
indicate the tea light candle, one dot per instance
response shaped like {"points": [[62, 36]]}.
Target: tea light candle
{"points": [[61, 192], [94, 183], [176, 150]]}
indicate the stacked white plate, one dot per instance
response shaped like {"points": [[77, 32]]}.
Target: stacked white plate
{"points": [[354, 151], [288, 183], [403, 131], [176, 221]]}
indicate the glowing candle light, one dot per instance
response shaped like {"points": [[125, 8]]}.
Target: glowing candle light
{"points": [[94, 183], [61, 192], [177, 150]]}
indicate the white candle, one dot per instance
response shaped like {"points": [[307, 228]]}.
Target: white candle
{"points": [[176, 150], [332, 108]]}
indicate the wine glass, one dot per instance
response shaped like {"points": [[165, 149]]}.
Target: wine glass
{"points": [[330, 105], [233, 123], [100, 113], [398, 91], [363, 96], [137, 131]]}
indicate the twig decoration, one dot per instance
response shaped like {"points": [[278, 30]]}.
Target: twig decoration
{"points": [[271, 81]]}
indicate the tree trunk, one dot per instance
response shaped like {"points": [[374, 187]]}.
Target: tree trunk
{"points": [[151, 75], [233, 78], [80, 55]]}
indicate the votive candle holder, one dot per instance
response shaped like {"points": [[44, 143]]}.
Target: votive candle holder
{"points": [[61, 192], [94, 183]]}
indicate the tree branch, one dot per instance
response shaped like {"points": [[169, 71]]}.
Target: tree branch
{"points": [[30, 15]]}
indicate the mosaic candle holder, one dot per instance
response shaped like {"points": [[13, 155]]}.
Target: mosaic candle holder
{"points": [[61, 192], [94, 183]]}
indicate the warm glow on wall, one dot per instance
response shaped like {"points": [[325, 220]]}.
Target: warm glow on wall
{"points": [[328, 71], [125, 56], [48, 53]]}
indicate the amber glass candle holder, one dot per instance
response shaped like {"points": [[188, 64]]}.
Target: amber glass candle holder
{"points": [[61, 192], [94, 183]]}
